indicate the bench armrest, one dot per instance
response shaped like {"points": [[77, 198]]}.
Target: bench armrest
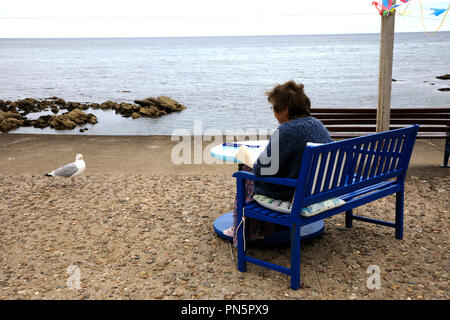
{"points": [[280, 181]]}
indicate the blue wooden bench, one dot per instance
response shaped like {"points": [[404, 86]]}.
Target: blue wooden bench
{"points": [[358, 171]]}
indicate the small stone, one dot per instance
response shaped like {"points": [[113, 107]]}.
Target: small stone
{"points": [[440, 292]]}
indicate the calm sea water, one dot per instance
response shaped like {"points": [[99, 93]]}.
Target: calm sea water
{"points": [[221, 80]]}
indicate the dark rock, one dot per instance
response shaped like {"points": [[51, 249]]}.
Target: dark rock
{"points": [[151, 107], [444, 77], [72, 106], [27, 105], [147, 102], [60, 102], [125, 109], [92, 119], [10, 121], [28, 122], [3, 105], [45, 104], [9, 114], [62, 123], [77, 116], [66, 121], [108, 105], [42, 121], [6, 106], [444, 89], [170, 104], [10, 124], [148, 111]]}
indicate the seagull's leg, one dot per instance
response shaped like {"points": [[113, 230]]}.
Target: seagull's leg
{"points": [[73, 181]]}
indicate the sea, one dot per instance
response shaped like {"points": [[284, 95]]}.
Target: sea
{"points": [[221, 80]]}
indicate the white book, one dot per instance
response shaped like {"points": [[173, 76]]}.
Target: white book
{"points": [[248, 156]]}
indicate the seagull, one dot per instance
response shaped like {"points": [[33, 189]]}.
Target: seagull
{"points": [[70, 170]]}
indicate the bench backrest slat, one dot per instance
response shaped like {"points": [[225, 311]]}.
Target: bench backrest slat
{"points": [[393, 110], [362, 161], [372, 121], [364, 115], [337, 168], [372, 128], [329, 171], [353, 122]]}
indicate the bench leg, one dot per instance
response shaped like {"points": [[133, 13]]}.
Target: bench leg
{"points": [[295, 257], [446, 154], [399, 202], [240, 192], [242, 267], [349, 218]]}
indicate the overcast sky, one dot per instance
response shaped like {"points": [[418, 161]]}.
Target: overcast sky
{"points": [[168, 18]]}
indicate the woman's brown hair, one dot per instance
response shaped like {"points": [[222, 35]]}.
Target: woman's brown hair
{"points": [[291, 96]]}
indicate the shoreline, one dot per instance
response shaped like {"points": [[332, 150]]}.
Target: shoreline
{"points": [[149, 154]]}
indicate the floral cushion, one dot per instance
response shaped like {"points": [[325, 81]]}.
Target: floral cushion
{"points": [[285, 206]]}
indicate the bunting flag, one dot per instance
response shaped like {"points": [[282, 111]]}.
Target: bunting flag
{"points": [[437, 12], [386, 7]]}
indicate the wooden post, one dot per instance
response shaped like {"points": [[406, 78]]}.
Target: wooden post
{"points": [[385, 73]]}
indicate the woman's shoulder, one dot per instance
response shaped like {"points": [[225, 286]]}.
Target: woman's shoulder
{"points": [[299, 123], [301, 127]]}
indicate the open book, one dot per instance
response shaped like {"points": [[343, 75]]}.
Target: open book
{"points": [[248, 155]]}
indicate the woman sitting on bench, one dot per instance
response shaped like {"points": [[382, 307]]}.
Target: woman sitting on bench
{"points": [[291, 107]]}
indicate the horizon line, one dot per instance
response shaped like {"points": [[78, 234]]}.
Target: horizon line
{"points": [[212, 36]]}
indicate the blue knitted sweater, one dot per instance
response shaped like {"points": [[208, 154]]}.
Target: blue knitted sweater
{"points": [[292, 137]]}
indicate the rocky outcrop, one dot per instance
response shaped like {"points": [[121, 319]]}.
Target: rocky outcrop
{"points": [[148, 107], [66, 121], [14, 114], [159, 106], [71, 120]]}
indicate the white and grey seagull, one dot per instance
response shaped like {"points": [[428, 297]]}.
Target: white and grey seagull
{"points": [[70, 170]]}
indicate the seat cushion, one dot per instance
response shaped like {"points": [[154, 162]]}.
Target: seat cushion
{"points": [[286, 206]]}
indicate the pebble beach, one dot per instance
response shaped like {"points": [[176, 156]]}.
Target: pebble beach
{"points": [[144, 234]]}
